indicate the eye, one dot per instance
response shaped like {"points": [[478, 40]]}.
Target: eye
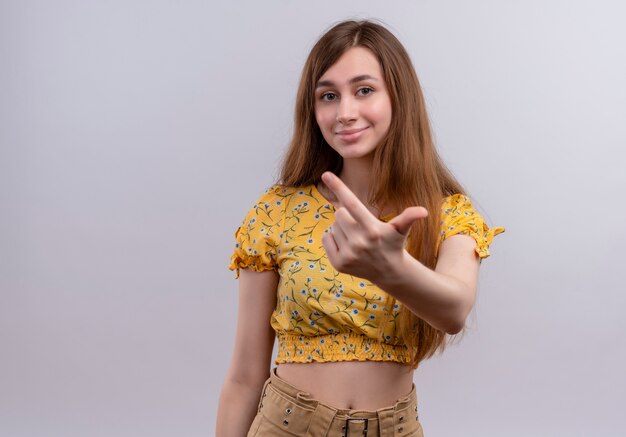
{"points": [[329, 96], [365, 91]]}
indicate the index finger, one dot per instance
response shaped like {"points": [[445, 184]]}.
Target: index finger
{"points": [[348, 199]]}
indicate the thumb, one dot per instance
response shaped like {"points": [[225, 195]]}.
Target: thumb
{"points": [[404, 220]]}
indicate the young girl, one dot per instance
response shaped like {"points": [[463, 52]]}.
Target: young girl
{"points": [[360, 261]]}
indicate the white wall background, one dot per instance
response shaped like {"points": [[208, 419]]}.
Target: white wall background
{"points": [[135, 134]]}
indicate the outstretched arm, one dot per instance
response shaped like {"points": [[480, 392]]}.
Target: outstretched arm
{"points": [[361, 245]]}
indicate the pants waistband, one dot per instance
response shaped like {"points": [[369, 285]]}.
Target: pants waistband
{"points": [[295, 411]]}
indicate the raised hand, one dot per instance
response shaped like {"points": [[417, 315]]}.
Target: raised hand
{"points": [[360, 244]]}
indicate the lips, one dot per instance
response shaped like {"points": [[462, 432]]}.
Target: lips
{"points": [[350, 135]]}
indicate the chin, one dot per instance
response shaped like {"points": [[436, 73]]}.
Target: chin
{"points": [[356, 154]]}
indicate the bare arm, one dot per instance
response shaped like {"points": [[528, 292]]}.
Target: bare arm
{"points": [[361, 245], [250, 363], [445, 296]]}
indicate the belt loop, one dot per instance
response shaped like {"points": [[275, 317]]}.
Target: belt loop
{"points": [[321, 420], [386, 422]]}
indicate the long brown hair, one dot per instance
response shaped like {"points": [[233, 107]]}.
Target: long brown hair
{"points": [[407, 170]]}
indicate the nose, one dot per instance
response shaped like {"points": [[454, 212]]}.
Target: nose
{"points": [[346, 110]]}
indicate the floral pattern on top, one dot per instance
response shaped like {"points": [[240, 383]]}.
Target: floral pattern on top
{"points": [[459, 217], [321, 314]]}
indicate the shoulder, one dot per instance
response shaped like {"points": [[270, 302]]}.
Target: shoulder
{"points": [[278, 199], [458, 207], [455, 204], [273, 198], [258, 237], [284, 194], [277, 193], [458, 216]]}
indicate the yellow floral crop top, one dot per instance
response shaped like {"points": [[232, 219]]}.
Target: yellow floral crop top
{"points": [[321, 314]]}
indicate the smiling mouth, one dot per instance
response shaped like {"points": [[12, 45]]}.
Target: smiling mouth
{"points": [[351, 131]]}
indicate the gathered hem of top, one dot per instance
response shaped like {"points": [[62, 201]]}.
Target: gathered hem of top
{"points": [[342, 346]]}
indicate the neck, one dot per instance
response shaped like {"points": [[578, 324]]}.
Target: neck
{"points": [[356, 174]]}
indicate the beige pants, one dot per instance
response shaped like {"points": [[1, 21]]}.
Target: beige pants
{"points": [[285, 410]]}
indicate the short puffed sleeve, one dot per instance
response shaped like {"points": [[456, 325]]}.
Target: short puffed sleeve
{"points": [[258, 237], [459, 217]]}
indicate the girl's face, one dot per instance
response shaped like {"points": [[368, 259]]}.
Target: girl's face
{"points": [[352, 105]]}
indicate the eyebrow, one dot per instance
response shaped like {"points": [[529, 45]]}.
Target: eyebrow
{"points": [[355, 79]]}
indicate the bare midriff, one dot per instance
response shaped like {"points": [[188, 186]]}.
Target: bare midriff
{"points": [[355, 385]]}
